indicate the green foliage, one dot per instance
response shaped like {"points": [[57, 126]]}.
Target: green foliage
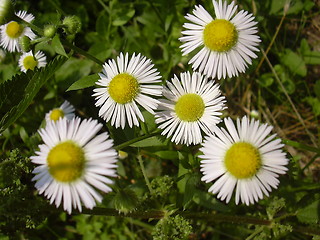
{"points": [[17, 94], [294, 62], [57, 46], [310, 214], [87, 81], [20, 208], [125, 200], [152, 28], [161, 186], [175, 228]]}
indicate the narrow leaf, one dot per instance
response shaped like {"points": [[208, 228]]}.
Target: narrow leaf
{"points": [[84, 82], [17, 94], [58, 47]]}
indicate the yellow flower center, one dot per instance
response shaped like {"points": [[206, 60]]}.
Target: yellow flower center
{"points": [[66, 162], [56, 114], [14, 29], [242, 160], [220, 35], [123, 88], [189, 107], [29, 62]]}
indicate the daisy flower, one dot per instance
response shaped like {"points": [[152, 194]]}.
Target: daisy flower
{"points": [[125, 84], [66, 110], [29, 61], [227, 42], [192, 107], [13, 31], [73, 163], [243, 158]]}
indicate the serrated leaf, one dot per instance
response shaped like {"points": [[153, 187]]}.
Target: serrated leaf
{"points": [[57, 46], [310, 214], [149, 142], [294, 62], [17, 94], [85, 82]]}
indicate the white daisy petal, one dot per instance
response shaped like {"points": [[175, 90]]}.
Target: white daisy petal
{"points": [[66, 110], [73, 163], [219, 55], [126, 87], [11, 32], [244, 159], [186, 121]]}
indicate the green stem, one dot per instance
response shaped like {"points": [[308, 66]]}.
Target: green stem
{"points": [[128, 143], [155, 214], [64, 42], [143, 170], [208, 217], [256, 232], [80, 51], [31, 25], [301, 146]]}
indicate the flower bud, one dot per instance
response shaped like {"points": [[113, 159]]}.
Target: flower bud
{"points": [[24, 43], [49, 31], [71, 24]]}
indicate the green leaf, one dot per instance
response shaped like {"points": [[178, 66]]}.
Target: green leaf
{"points": [[310, 57], [85, 82], [73, 70], [315, 104], [102, 24], [124, 17], [310, 214], [17, 94], [294, 62], [266, 80], [209, 201], [192, 183], [57, 45], [149, 142]]}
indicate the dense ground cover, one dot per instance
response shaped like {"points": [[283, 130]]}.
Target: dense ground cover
{"points": [[158, 192]]}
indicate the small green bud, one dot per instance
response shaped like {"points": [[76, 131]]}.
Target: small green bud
{"points": [[71, 24], [6, 11], [24, 42], [49, 31], [125, 200], [254, 114]]}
